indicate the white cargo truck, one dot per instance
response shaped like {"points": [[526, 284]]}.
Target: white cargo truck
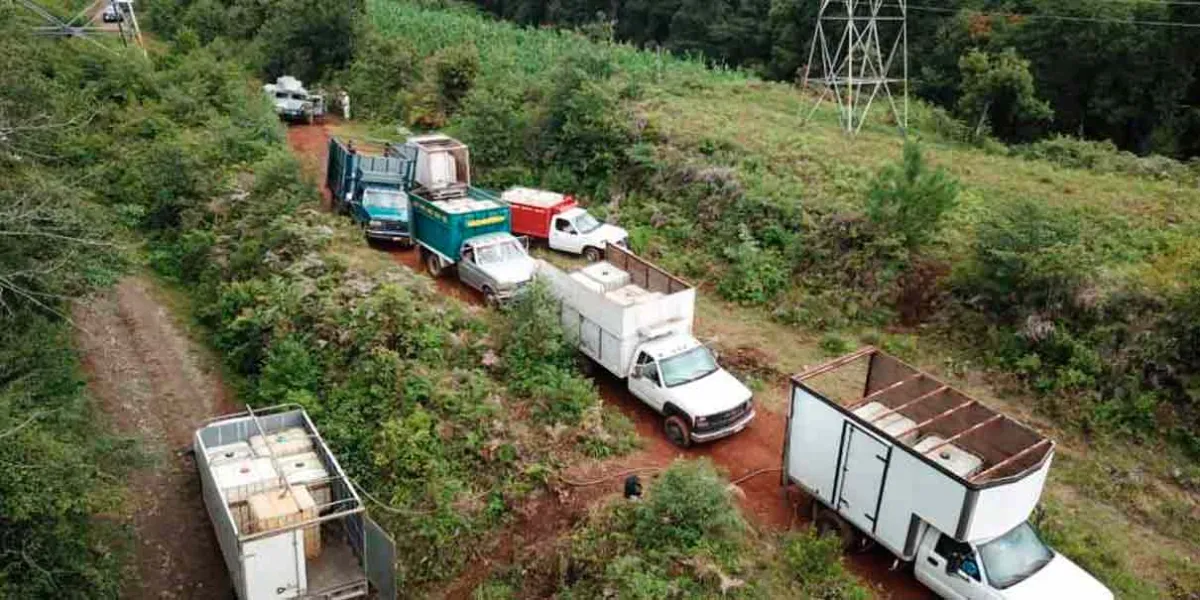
{"points": [[288, 520], [893, 456], [635, 320]]}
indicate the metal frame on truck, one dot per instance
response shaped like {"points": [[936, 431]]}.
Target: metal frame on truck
{"points": [[244, 456], [894, 450]]}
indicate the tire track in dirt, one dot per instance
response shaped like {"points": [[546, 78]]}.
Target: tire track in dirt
{"points": [[759, 446], [147, 377]]}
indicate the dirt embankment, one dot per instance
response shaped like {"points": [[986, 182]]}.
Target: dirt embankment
{"points": [[150, 382], [759, 447]]}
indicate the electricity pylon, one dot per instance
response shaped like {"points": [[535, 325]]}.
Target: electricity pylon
{"points": [[83, 25], [855, 68]]}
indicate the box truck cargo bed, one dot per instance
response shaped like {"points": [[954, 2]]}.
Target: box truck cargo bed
{"points": [[893, 450]]}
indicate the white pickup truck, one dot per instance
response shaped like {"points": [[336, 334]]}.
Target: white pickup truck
{"points": [[893, 456], [635, 320]]}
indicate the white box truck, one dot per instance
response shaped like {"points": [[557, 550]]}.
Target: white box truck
{"points": [[893, 456], [288, 520], [635, 320]]}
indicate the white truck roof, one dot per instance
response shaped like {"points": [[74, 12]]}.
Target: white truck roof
{"points": [[892, 448]]}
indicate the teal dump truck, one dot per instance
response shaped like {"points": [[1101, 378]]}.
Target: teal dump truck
{"points": [[371, 190], [471, 232]]}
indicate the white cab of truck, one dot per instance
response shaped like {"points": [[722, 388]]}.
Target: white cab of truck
{"points": [[892, 456], [635, 320], [575, 229]]}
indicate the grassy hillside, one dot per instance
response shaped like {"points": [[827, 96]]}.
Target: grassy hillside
{"points": [[1079, 280]]}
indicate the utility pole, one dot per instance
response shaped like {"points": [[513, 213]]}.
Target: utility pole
{"points": [[861, 54], [84, 24]]}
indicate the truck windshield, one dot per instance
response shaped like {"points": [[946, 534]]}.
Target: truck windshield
{"points": [[1014, 556], [384, 199], [688, 366], [586, 223], [493, 254]]}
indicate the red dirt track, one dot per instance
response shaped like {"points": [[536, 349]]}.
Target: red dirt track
{"points": [[759, 446]]}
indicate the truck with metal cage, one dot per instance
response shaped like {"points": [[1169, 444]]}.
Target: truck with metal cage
{"points": [[288, 520], [635, 320], [892, 455]]}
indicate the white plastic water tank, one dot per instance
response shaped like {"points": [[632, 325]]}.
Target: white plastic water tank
{"points": [[958, 461], [228, 452], [282, 443], [893, 424], [606, 275], [307, 469]]}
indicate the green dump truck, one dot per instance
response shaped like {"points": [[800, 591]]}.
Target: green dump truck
{"points": [[472, 233]]}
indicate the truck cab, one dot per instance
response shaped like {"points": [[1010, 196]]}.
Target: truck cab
{"points": [[496, 264], [292, 101], [680, 378], [1014, 566], [383, 213], [576, 231]]}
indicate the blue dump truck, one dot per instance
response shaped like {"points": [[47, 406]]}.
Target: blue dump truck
{"points": [[371, 189]]}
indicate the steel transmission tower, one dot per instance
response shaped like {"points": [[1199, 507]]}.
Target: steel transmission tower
{"points": [[862, 49], [84, 25]]}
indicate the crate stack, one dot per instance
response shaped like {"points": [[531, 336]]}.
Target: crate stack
{"points": [[251, 476]]}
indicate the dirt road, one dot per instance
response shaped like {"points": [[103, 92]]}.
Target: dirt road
{"points": [[152, 383], [758, 447]]}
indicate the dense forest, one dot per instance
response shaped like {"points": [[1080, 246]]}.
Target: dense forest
{"points": [[1106, 70]]}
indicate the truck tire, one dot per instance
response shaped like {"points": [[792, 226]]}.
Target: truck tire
{"points": [[489, 297], [433, 264], [592, 254], [828, 522], [678, 431]]}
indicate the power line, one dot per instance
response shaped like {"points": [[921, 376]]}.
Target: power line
{"points": [[1068, 18], [1048, 17]]}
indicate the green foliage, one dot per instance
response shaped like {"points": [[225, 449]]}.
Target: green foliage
{"points": [[1104, 157], [61, 470], [998, 91], [816, 563], [454, 70], [1092, 548], [380, 77], [1027, 257], [910, 200], [308, 39], [687, 507], [755, 276]]}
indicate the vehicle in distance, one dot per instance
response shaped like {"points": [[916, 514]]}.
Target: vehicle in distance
{"points": [[893, 456], [635, 320], [293, 102]]}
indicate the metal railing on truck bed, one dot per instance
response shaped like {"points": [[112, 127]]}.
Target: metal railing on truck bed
{"points": [[321, 545]]}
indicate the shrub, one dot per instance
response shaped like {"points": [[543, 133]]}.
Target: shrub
{"points": [[688, 506], [1027, 258], [908, 200], [755, 275], [816, 564], [454, 70]]}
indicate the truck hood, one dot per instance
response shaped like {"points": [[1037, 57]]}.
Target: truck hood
{"points": [[1060, 578], [513, 272], [607, 233], [717, 392]]}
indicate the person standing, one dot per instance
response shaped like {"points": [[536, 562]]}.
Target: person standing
{"points": [[344, 99]]}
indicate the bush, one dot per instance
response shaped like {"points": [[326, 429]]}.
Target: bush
{"points": [[1105, 157], [816, 564], [755, 276], [1028, 258], [909, 200], [688, 506]]}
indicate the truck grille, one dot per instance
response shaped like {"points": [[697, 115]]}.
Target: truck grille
{"points": [[722, 420], [394, 226]]}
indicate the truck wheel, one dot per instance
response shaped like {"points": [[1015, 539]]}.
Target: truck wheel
{"points": [[433, 265], [830, 523], [592, 254], [678, 431], [489, 297]]}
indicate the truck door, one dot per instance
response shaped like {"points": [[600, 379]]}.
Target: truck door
{"points": [[864, 464], [564, 237], [468, 271], [950, 568], [645, 383]]}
